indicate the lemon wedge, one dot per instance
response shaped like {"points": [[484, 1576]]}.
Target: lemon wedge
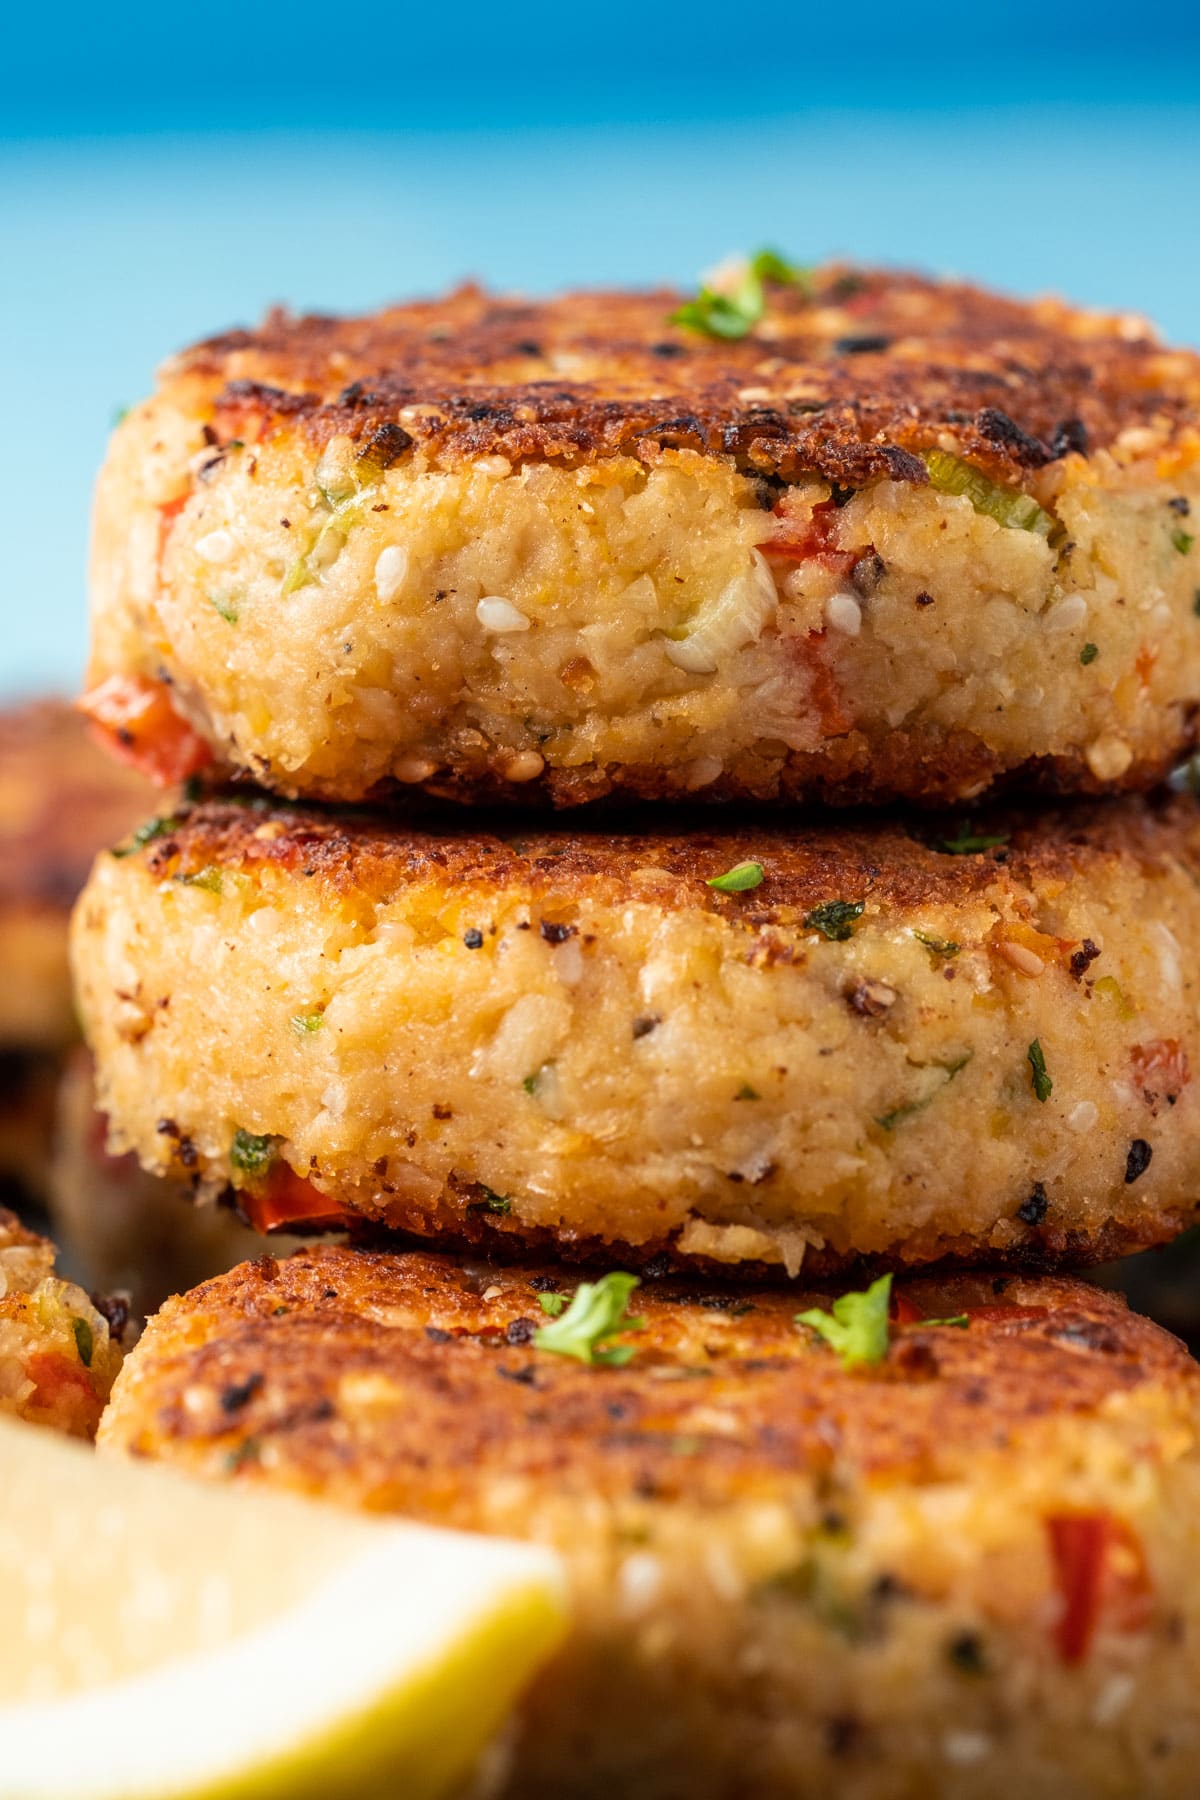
{"points": [[164, 1639]]}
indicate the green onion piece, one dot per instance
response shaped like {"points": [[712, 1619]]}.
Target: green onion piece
{"points": [[971, 843], [147, 833], [769, 265], [738, 880], [908, 1109], [834, 919], [1182, 540], [496, 1203], [857, 1327], [960, 1319], [209, 879], [1089, 653], [303, 1023], [936, 945], [226, 605], [251, 1155], [1043, 1087], [85, 1343], [951, 475], [596, 1313]]}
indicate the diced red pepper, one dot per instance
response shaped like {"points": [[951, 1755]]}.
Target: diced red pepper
{"points": [[1000, 1312], [1098, 1566], [135, 719], [58, 1379], [285, 1199], [904, 1311], [811, 540], [1160, 1068]]}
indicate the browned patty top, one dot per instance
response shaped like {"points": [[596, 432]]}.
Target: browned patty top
{"points": [[853, 858], [409, 1379], [846, 377], [61, 800]]}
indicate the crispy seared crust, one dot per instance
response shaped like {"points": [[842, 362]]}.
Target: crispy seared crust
{"points": [[896, 864], [847, 384], [470, 1396]]}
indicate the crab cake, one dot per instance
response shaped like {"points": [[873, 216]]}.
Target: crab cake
{"points": [[60, 800], [774, 1046], [968, 1569], [126, 1231], [58, 1356], [901, 538]]}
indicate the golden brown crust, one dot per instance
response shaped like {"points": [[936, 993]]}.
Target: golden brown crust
{"points": [[847, 382], [257, 1368], [882, 859]]}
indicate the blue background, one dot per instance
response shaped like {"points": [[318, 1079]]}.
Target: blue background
{"points": [[167, 172]]}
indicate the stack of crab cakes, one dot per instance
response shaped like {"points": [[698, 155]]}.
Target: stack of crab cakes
{"points": [[630, 1115]]}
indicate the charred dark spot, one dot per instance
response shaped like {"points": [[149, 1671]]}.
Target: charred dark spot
{"points": [[1180, 505], [544, 1284], [240, 1393], [866, 344], [668, 349], [385, 445], [114, 1309], [442, 1112], [1033, 1210], [916, 1358], [1137, 1161], [1083, 958], [473, 938], [924, 599], [657, 1267], [870, 999], [867, 574], [557, 934], [359, 394], [999, 429], [1069, 434], [520, 1331], [527, 347], [843, 1736], [965, 1653], [436, 1335], [524, 1377], [1001, 1284], [645, 1024]]}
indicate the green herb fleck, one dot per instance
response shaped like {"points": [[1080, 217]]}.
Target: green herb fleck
{"points": [[147, 833], [1182, 540], [971, 843], [530, 1084], [1089, 653], [910, 1108], [834, 919], [960, 1319], [936, 945], [1043, 1087], [209, 879], [738, 880], [496, 1203], [249, 1451], [857, 1328], [735, 314], [251, 1155], [226, 605], [746, 1092], [120, 414], [1109, 986], [769, 265], [85, 1343], [596, 1313], [552, 1304], [303, 1023]]}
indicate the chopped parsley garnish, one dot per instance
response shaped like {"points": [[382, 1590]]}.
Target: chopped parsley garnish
{"points": [[530, 1084], [857, 1327], [303, 1023], [552, 1304], [251, 1155], [908, 1109], [746, 1092], [1043, 1087], [596, 1313], [1089, 653], [1182, 540], [496, 1203], [971, 843], [834, 919], [735, 314], [936, 945], [738, 880], [147, 833], [85, 1343]]}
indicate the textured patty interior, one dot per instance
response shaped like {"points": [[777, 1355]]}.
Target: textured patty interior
{"points": [[790, 1578], [891, 1047]]}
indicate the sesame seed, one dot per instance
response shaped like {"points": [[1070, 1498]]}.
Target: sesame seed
{"points": [[568, 962], [1068, 615], [497, 614], [216, 546], [843, 613], [1022, 959], [1083, 1116], [1108, 758], [527, 765], [391, 570], [414, 768]]}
